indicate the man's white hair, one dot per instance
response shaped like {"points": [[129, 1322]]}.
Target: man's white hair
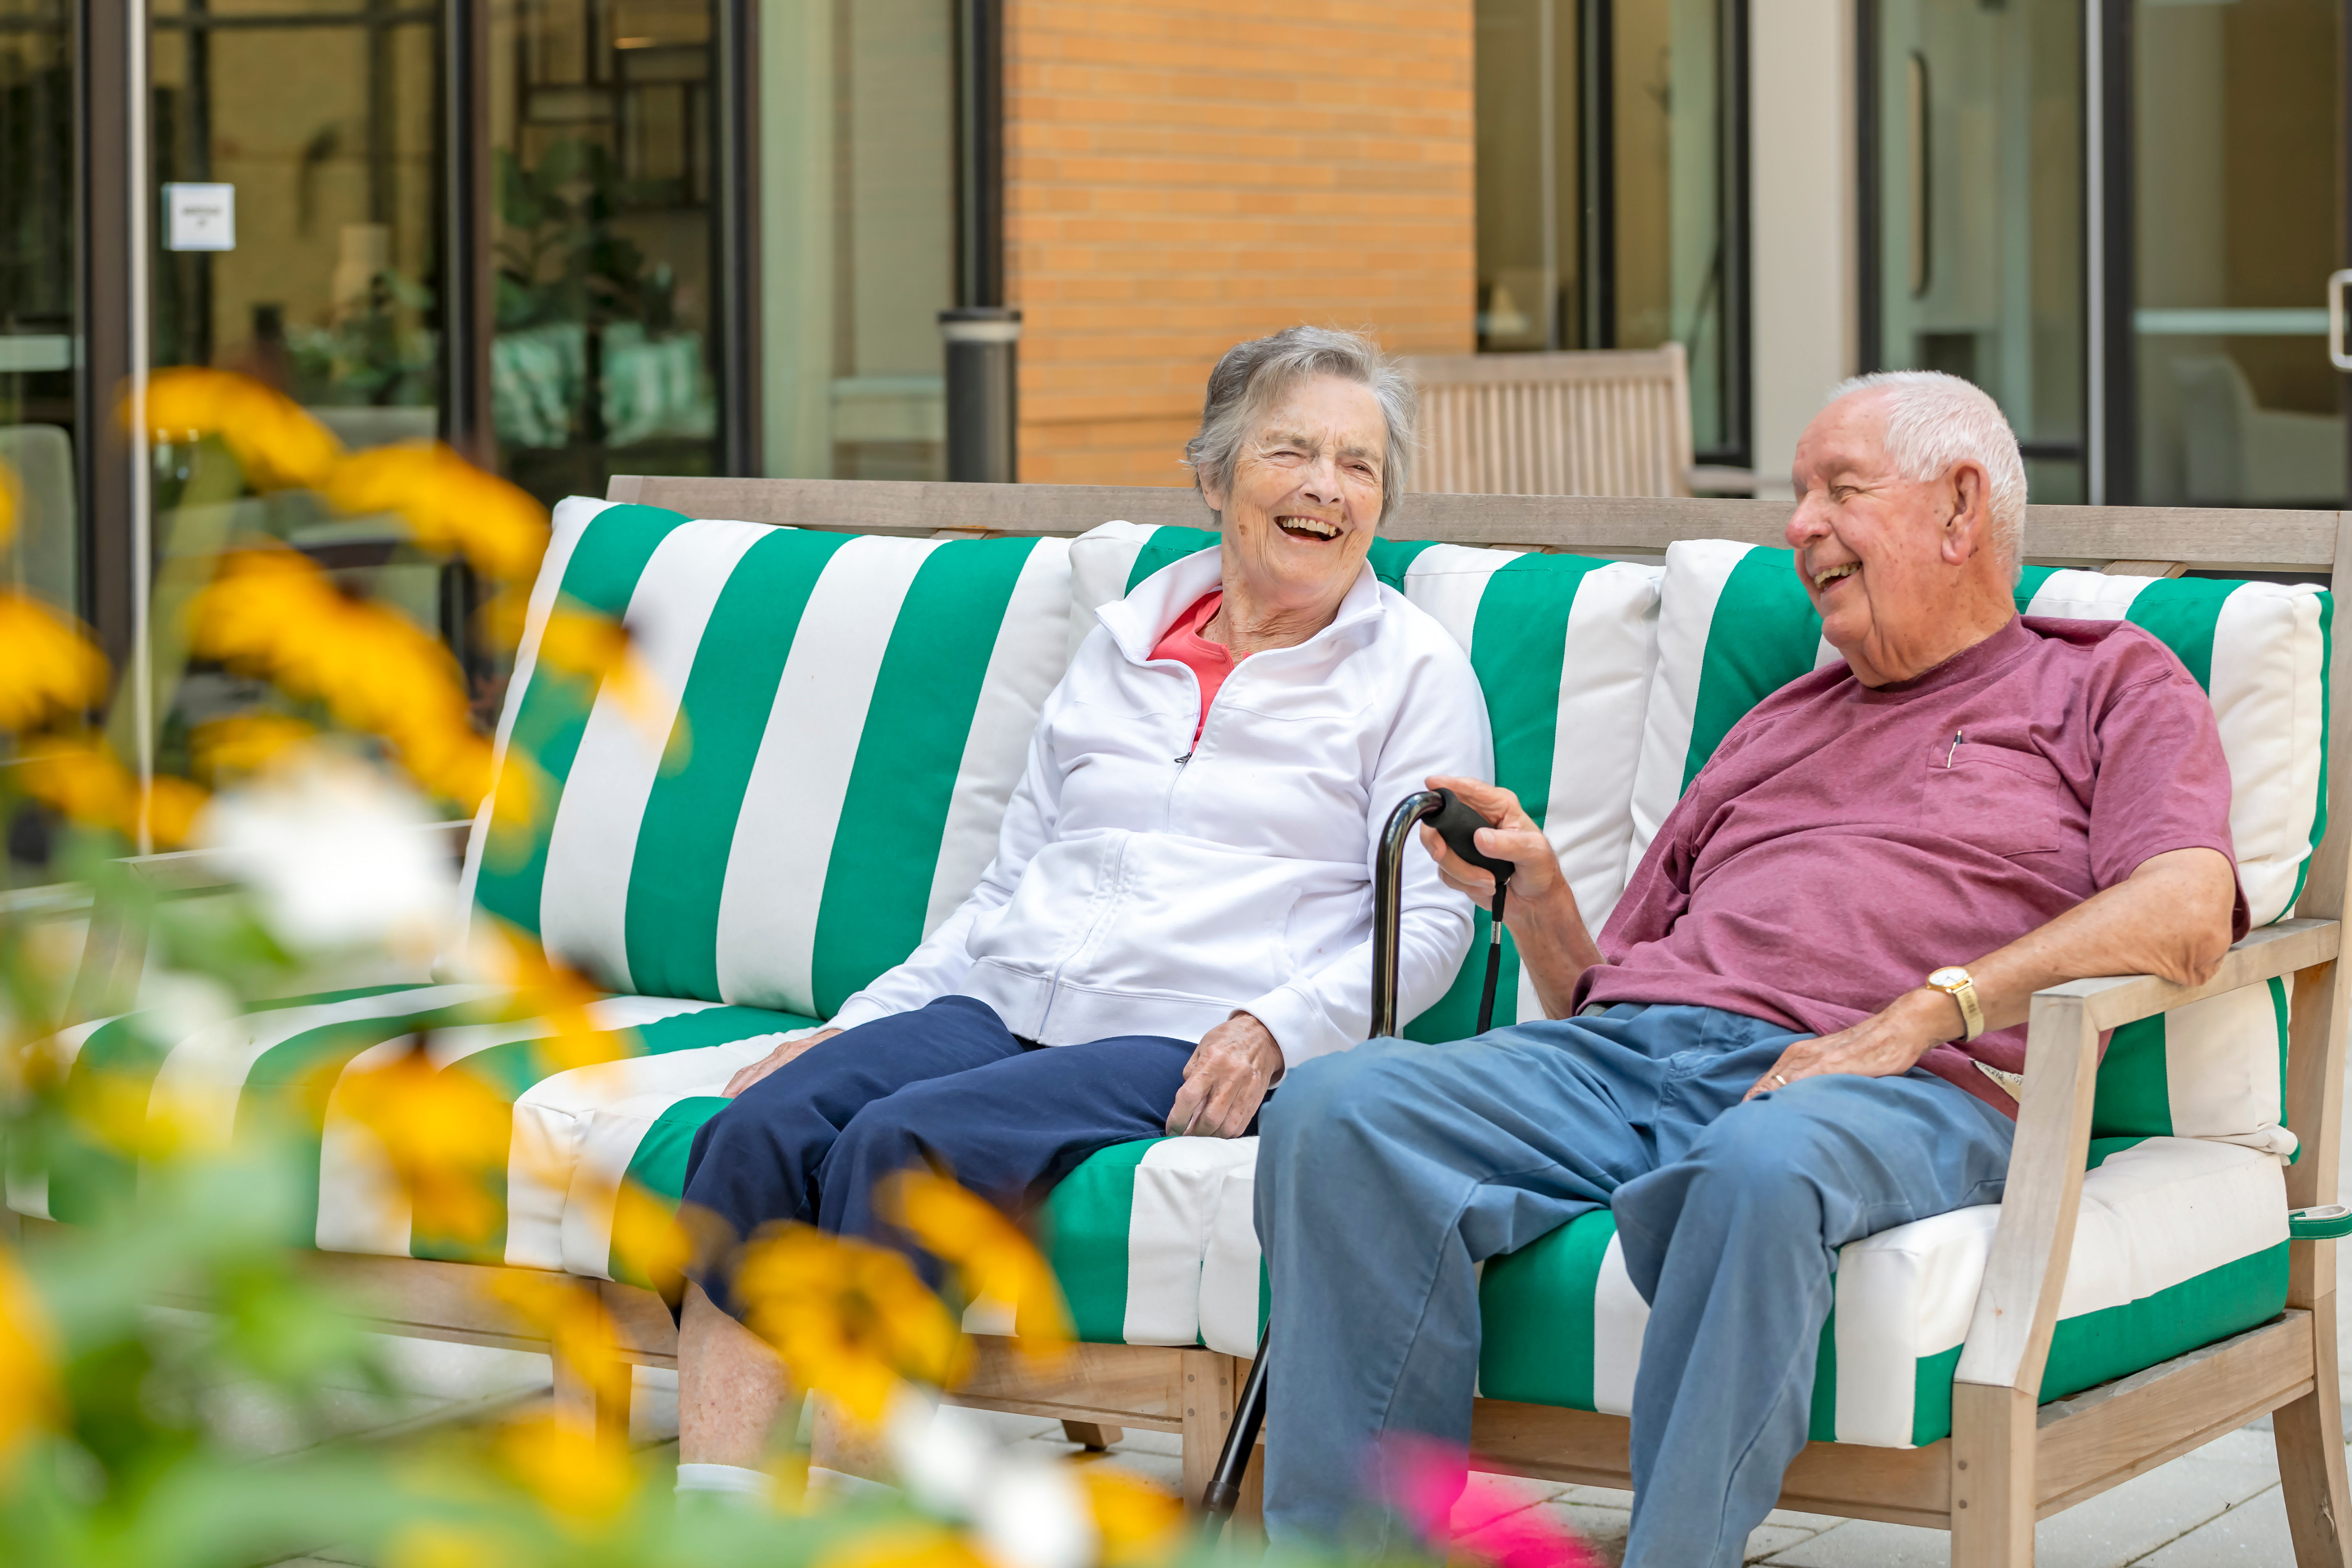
{"points": [[1934, 421]]}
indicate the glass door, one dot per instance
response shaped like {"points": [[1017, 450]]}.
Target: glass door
{"points": [[1973, 211], [2236, 170], [39, 322]]}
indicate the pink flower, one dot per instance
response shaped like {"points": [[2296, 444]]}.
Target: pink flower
{"points": [[1423, 1479]]}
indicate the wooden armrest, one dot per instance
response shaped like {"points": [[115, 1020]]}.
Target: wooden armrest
{"points": [[122, 904], [2025, 1274]]}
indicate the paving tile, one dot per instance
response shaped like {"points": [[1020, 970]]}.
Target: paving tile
{"points": [[2254, 1532], [1767, 1539], [1598, 1526], [1488, 1498], [1865, 1543]]}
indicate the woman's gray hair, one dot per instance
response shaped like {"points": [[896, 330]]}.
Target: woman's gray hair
{"points": [[1935, 420], [1253, 376]]}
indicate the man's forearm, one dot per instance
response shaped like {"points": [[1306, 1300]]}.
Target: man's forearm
{"points": [[2169, 917], [1555, 948]]}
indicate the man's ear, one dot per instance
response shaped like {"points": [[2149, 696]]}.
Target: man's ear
{"points": [[1970, 527]]}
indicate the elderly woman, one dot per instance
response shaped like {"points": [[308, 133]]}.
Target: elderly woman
{"points": [[1181, 904]]}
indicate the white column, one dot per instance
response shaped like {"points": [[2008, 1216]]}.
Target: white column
{"points": [[1802, 202]]}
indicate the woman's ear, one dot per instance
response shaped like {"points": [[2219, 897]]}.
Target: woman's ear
{"points": [[1211, 493]]}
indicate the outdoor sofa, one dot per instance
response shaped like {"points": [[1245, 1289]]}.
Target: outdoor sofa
{"points": [[858, 712]]}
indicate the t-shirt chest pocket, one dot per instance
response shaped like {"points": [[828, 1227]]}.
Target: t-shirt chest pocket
{"points": [[1993, 798]]}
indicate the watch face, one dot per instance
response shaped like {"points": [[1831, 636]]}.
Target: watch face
{"points": [[1945, 978]]}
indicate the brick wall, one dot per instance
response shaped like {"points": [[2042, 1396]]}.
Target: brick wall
{"points": [[1180, 174]]}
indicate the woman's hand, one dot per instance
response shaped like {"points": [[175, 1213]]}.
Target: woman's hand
{"points": [[1231, 1068], [772, 1060], [1514, 838]]}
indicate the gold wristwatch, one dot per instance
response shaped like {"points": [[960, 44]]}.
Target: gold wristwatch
{"points": [[1954, 982]]}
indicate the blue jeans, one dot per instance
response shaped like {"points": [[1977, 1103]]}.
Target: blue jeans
{"points": [[946, 1087], [1388, 1173]]}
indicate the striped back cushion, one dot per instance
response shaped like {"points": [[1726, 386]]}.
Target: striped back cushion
{"points": [[810, 778], [1736, 625], [1563, 645]]}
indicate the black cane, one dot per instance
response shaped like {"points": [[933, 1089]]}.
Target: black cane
{"points": [[1457, 823]]}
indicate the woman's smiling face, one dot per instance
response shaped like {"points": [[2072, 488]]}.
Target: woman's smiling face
{"points": [[1306, 495]]}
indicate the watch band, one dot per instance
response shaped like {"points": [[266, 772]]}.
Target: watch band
{"points": [[1955, 982]]}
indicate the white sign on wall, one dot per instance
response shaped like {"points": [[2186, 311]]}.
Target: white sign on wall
{"points": [[199, 217]]}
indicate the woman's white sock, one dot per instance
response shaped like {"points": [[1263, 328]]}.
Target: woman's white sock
{"points": [[731, 1483]]}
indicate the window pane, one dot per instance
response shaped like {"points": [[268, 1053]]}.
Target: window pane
{"points": [[38, 323], [2236, 152], [1527, 176], [1978, 212], [857, 166], [600, 129], [1667, 98]]}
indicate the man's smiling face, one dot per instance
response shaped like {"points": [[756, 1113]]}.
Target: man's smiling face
{"points": [[1870, 544]]}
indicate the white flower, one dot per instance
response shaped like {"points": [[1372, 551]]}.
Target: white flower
{"points": [[1026, 1512], [336, 852]]}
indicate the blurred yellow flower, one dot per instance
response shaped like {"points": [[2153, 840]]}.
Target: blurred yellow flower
{"points": [[244, 744], [849, 1319], [272, 437], [548, 989], [50, 667], [273, 613], [446, 1135], [597, 649], [430, 1545], [903, 1546], [647, 1236], [580, 1477], [1138, 1523], [28, 1388], [571, 1314], [989, 1253], [451, 506], [81, 780]]}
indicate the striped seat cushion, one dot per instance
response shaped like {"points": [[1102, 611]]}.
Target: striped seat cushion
{"points": [[1736, 625], [281, 1063], [1563, 645], [2181, 1242], [810, 774]]}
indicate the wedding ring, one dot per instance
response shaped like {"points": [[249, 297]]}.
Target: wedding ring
{"points": [[1778, 1081]]}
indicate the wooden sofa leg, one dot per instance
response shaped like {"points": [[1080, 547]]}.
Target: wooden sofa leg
{"points": [[2310, 1437], [599, 1407], [1210, 1384], [1992, 1476], [1091, 1435]]}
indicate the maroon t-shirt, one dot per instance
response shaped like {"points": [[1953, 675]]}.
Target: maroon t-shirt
{"points": [[1844, 841]]}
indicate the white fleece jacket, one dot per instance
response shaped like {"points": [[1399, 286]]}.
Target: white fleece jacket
{"points": [[1145, 884]]}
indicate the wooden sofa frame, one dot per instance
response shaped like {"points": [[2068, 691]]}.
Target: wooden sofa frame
{"points": [[2008, 1461]]}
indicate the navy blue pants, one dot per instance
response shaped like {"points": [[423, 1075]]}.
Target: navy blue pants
{"points": [[948, 1087]]}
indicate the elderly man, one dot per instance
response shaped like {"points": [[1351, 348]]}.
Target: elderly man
{"points": [[1802, 1026]]}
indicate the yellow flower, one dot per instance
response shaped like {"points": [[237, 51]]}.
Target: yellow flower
{"points": [[273, 613], [647, 1236], [597, 649], [244, 744], [272, 437], [429, 1545], [579, 1332], [581, 1477], [1138, 1523], [446, 1135], [29, 1395], [11, 499], [988, 1252], [28, 1389], [83, 780], [50, 667], [848, 1319], [903, 1546], [451, 506]]}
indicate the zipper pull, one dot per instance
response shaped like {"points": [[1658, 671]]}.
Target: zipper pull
{"points": [[1179, 761]]}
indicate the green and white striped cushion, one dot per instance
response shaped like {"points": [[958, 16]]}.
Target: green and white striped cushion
{"points": [[814, 780], [1125, 1232], [273, 1064], [2181, 1242], [1563, 647], [1736, 625]]}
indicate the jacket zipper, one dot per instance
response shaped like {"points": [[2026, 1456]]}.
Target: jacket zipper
{"points": [[1085, 938]]}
